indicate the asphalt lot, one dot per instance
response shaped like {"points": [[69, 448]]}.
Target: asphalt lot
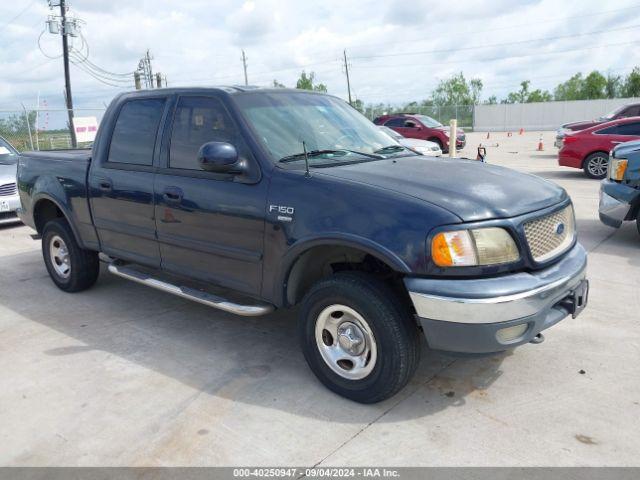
{"points": [[125, 375]]}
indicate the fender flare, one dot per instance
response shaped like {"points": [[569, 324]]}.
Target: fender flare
{"points": [[334, 239], [42, 196]]}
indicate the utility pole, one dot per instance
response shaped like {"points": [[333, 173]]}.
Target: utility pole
{"points": [[346, 70], [150, 71], [244, 65], [67, 76]]}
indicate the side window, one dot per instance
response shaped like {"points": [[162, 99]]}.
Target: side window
{"points": [[608, 131], [629, 129], [199, 120], [395, 122], [134, 134]]}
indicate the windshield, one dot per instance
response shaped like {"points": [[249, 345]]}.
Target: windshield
{"points": [[332, 130], [428, 121], [392, 133], [8, 155], [613, 113]]}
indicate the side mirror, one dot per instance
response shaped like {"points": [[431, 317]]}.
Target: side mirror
{"points": [[219, 157], [410, 124]]}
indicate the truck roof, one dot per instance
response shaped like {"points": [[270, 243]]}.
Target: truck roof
{"points": [[229, 89]]}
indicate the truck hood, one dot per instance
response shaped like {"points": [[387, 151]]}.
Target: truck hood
{"points": [[470, 189], [624, 149], [576, 126]]}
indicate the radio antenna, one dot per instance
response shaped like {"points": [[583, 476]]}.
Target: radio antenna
{"points": [[306, 159]]}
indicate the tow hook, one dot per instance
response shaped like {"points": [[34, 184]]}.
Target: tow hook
{"points": [[539, 338]]}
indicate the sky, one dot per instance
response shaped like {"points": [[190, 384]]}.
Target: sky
{"points": [[398, 50]]}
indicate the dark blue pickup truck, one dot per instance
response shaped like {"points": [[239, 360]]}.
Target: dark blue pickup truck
{"points": [[251, 199]]}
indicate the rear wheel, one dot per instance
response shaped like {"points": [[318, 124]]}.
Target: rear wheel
{"points": [[358, 337], [71, 268], [595, 165]]}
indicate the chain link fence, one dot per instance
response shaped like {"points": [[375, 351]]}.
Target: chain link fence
{"points": [[442, 113], [44, 129]]}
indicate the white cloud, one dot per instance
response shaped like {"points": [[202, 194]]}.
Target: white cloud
{"points": [[198, 42]]}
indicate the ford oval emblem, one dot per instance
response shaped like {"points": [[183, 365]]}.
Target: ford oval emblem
{"points": [[560, 228]]}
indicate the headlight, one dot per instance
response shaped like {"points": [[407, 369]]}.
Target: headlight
{"points": [[617, 168], [421, 149], [446, 133], [482, 246]]}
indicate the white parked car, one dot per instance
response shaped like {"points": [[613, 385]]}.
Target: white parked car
{"points": [[422, 147], [9, 199]]}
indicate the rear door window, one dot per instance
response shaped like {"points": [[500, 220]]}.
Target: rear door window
{"points": [[134, 135], [395, 122], [629, 129]]}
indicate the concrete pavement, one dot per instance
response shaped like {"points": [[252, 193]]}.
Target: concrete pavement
{"points": [[125, 375]]}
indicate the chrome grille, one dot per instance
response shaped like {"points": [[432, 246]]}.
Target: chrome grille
{"points": [[8, 189], [550, 235]]}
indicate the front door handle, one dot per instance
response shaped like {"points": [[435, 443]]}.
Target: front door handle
{"points": [[105, 185], [173, 194]]}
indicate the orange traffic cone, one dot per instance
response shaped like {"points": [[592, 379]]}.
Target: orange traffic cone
{"points": [[540, 144], [521, 131], [487, 134]]}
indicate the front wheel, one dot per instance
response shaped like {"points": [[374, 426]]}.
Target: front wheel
{"points": [[596, 165], [358, 337], [70, 267]]}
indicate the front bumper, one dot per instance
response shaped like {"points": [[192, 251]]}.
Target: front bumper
{"points": [[615, 202], [8, 208], [470, 316]]}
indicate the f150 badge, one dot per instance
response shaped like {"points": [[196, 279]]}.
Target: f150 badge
{"points": [[285, 214]]}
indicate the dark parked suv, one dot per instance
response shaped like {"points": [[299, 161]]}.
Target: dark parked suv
{"points": [[413, 125]]}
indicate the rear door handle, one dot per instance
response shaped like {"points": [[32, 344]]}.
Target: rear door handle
{"points": [[173, 194]]}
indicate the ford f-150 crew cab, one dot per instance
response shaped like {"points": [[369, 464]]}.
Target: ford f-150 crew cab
{"points": [[251, 199]]}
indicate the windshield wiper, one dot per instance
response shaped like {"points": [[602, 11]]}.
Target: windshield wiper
{"points": [[317, 153]]}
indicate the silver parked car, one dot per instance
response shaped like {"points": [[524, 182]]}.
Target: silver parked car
{"points": [[423, 147], [9, 198]]}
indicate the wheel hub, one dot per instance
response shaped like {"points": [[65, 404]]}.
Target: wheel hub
{"points": [[60, 259], [351, 338], [346, 342]]}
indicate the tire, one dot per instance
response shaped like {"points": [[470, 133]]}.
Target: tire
{"points": [[439, 142], [593, 165], [71, 268], [389, 335]]}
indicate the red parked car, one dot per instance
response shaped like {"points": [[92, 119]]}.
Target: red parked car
{"points": [[413, 125], [589, 149]]}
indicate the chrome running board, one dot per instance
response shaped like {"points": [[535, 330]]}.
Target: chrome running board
{"points": [[205, 298]]}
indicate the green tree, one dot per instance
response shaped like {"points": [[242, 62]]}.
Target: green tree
{"points": [[359, 105], [632, 83], [613, 87], [539, 96], [492, 100], [521, 95], [572, 89], [457, 91], [594, 86], [306, 82]]}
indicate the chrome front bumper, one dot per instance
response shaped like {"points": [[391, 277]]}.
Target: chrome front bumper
{"points": [[612, 212], [465, 315]]}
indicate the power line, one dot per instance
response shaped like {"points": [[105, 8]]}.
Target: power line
{"points": [[443, 26], [13, 19], [557, 52], [504, 44]]}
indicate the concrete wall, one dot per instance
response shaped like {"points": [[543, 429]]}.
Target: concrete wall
{"points": [[541, 116]]}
